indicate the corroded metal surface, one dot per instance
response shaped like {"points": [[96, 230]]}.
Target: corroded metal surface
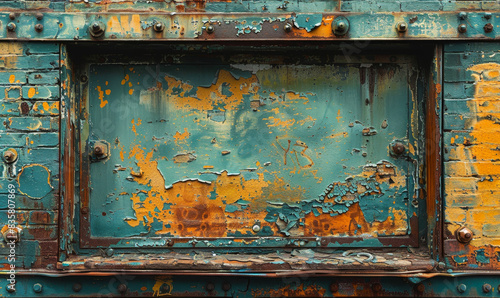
{"points": [[211, 150]]}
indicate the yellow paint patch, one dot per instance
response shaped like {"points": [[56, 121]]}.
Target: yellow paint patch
{"points": [[181, 136], [101, 97], [31, 92], [12, 79]]}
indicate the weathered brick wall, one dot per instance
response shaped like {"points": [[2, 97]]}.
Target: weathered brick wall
{"points": [[472, 151], [29, 107]]}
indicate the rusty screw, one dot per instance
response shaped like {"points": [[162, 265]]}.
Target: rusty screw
{"points": [[464, 235], [210, 29], [96, 29], [487, 288], [210, 287], [77, 287], [287, 27], [398, 148], [98, 150], [377, 287], [420, 288], [158, 27], [488, 28], [39, 27], [402, 27], [122, 288], [10, 156], [12, 15], [39, 16], [461, 288], [462, 28], [11, 27], [226, 286], [334, 287]]}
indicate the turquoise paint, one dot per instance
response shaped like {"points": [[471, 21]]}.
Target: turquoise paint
{"points": [[33, 173], [308, 21], [481, 257]]}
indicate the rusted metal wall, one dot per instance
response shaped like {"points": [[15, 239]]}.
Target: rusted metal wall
{"points": [[56, 97]]}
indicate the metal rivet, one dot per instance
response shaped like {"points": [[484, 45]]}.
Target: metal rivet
{"points": [[11, 27], [39, 16], [39, 27], [334, 287], [402, 27], [420, 288], [462, 28], [464, 235], [83, 78], [487, 288], [461, 288], [97, 29], [122, 288], [287, 27], [488, 28], [441, 266], [487, 15], [37, 288], [210, 287], [377, 287], [158, 27], [324, 242], [77, 287], [210, 29], [256, 228], [170, 242], [11, 288], [10, 155], [340, 26], [110, 252], [398, 148], [226, 286], [12, 15], [462, 15]]}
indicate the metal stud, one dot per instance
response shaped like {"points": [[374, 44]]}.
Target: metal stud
{"points": [[487, 288], [77, 287], [488, 28], [462, 15], [210, 29], [10, 155], [340, 26], [39, 16], [402, 27], [461, 288], [256, 228], [122, 288], [464, 235], [11, 27], [287, 27], [37, 288], [97, 29], [159, 27], [462, 28], [12, 15], [39, 27]]}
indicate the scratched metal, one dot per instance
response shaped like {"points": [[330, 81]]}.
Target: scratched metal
{"points": [[212, 149]]}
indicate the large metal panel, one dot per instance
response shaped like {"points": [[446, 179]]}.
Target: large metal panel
{"points": [[249, 150]]}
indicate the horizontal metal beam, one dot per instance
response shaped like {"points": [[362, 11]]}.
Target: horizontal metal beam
{"points": [[225, 27]]}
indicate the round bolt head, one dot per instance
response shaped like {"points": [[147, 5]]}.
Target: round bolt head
{"points": [[256, 228], [12, 15], [464, 235], [287, 27], [334, 287], [122, 288], [462, 15], [158, 27], [398, 148], [96, 27], [39, 27], [77, 287], [487, 15], [98, 150], [488, 28], [462, 28], [39, 16], [210, 287], [37, 288], [10, 156], [109, 252], [441, 266], [487, 288], [402, 27], [210, 29], [461, 288], [11, 27], [420, 288], [11, 288], [226, 286], [340, 26]]}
